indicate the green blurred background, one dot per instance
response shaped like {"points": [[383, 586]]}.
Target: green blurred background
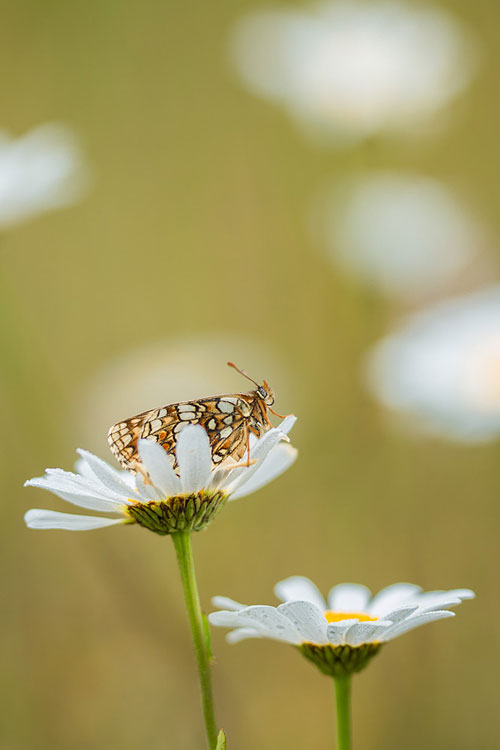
{"points": [[195, 233]]}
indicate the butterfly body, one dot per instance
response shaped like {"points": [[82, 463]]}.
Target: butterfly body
{"points": [[228, 420]]}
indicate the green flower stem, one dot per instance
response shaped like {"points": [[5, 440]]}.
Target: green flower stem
{"points": [[182, 544], [343, 703]]}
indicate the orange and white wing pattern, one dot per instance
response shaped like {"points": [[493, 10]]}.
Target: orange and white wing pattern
{"points": [[226, 419]]}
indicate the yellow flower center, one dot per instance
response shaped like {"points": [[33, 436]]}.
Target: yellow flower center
{"points": [[338, 616]]}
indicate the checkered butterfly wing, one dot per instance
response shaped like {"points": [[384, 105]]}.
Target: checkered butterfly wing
{"points": [[225, 419]]}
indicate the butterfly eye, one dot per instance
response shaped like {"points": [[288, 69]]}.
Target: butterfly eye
{"points": [[261, 391]]}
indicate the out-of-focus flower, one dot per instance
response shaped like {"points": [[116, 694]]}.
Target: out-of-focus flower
{"points": [[160, 500], [406, 234], [40, 171], [354, 69], [341, 635], [442, 368]]}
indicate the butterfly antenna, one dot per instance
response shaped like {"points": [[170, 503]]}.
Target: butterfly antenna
{"points": [[242, 372]]}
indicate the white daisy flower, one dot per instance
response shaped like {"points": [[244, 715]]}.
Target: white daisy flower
{"points": [[355, 68], [161, 500], [341, 634], [441, 368], [40, 171], [407, 234]]}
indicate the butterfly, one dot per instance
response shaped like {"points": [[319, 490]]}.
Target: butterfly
{"points": [[229, 420]]}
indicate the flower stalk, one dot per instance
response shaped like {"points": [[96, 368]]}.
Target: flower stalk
{"points": [[184, 552], [343, 706]]}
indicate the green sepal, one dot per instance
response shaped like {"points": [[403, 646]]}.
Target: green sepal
{"points": [[339, 661], [221, 741], [178, 513]]}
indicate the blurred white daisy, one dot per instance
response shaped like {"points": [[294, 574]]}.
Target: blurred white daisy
{"points": [[341, 634], [159, 499], [441, 368], [406, 234], [353, 68], [39, 171]]}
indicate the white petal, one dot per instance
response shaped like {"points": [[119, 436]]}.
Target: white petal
{"points": [[159, 468], [299, 588], [51, 519], [271, 622], [396, 595], [219, 478], [82, 468], [462, 593], [83, 496], [287, 424], [441, 603], [307, 619], [235, 636], [398, 615], [223, 602], [224, 619], [414, 622], [148, 492], [366, 632], [428, 600], [258, 454], [57, 480], [336, 631], [194, 458], [109, 477], [278, 460], [349, 597], [93, 503]]}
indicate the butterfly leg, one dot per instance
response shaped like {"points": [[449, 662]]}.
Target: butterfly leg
{"points": [[281, 416], [248, 446], [139, 468]]}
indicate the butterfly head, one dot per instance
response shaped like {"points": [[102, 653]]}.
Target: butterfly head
{"points": [[265, 393], [262, 391]]}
